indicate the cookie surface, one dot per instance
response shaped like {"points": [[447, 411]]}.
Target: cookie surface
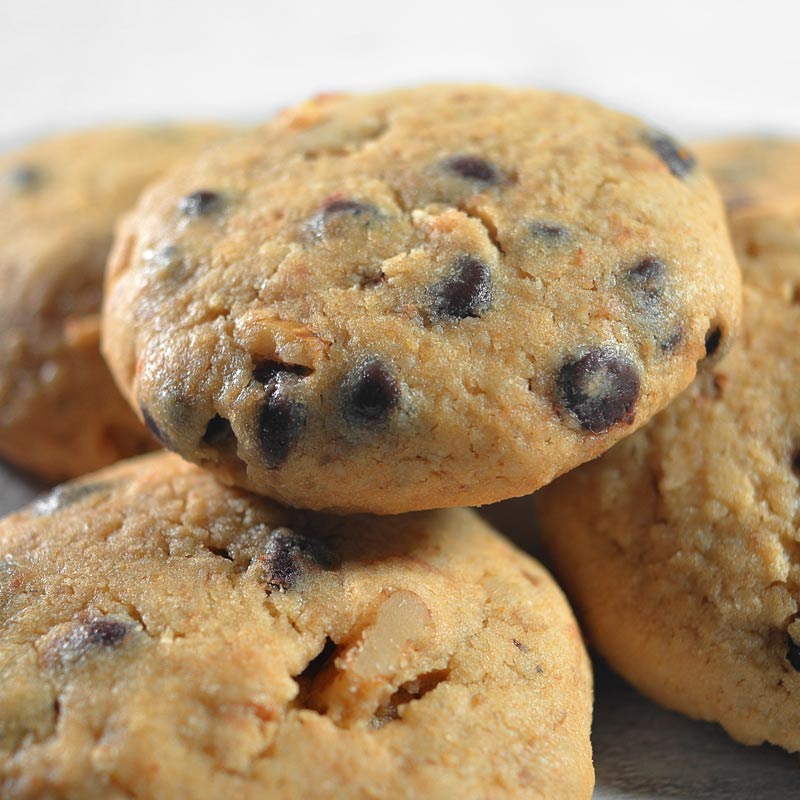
{"points": [[60, 412], [422, 298], [164, 636], [681, 546]]}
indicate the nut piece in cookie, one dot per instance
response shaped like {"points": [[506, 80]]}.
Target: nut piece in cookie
{"points": [[60, 199]]}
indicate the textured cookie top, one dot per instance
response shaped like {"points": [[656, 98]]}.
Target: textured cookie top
{"points": [[164, 636], [681, 546], [450, 293], [59, 201], [752, 171]]}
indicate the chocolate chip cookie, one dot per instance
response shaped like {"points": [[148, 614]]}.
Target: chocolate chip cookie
{"points": [[750, 171], [681, 545], [60, 413], [164, 636], [422, 298]]}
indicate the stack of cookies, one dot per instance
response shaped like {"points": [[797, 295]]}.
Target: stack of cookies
{"points": [[343, 324]]}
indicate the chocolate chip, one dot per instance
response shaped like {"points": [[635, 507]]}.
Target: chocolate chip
{"points": [[67, 494], [368, 394], [289, 556], [677, 158], [465, 292], [345, 206], [93, 634], [105, 632], [647, 278], [793, 653], [600, 388], [713, 339], [671, 342], [268, 371], [280, 424], [472, 168], [152, 426], [200, 203], [549, 233], [796, 462], [24, 177], [336, 208]]}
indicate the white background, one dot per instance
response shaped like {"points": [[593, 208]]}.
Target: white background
{"points": [[699, 68]]}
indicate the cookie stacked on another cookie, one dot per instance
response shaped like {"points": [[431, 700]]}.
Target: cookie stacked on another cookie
{"points": [[165, 636], [60, 413], [681, 546], [418, 299]]}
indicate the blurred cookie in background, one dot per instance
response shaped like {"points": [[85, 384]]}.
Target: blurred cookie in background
{"points": [[680, 547], [751, 171], [60, 413]]}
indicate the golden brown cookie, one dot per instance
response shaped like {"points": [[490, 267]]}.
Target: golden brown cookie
{"points": [[164, 636], [60, 413], [422, 298], [681, 545], [752, 171]]}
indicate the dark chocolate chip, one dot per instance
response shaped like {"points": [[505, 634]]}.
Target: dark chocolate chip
{"points": [[677, 158], [713, 340], [671, 342], [465, 292], [796, 462], [268, 371], [152, 426], [280, 424], [340, 207], [24, 177], [520, 646], [472, 168], [345, 206], [200, 203], [548, 233], [647, 278], [67, 494], [369, 393], [94, 634], [600, 389], [793, 653], [105, 632], [288, 556]]}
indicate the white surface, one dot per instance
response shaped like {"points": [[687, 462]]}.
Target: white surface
{"points": [[698, 67]]}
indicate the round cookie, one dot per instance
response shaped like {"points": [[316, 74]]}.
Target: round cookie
{"points": [[752, 171], [60, 412], [164, 636], [681, 545], [422, 298]]}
